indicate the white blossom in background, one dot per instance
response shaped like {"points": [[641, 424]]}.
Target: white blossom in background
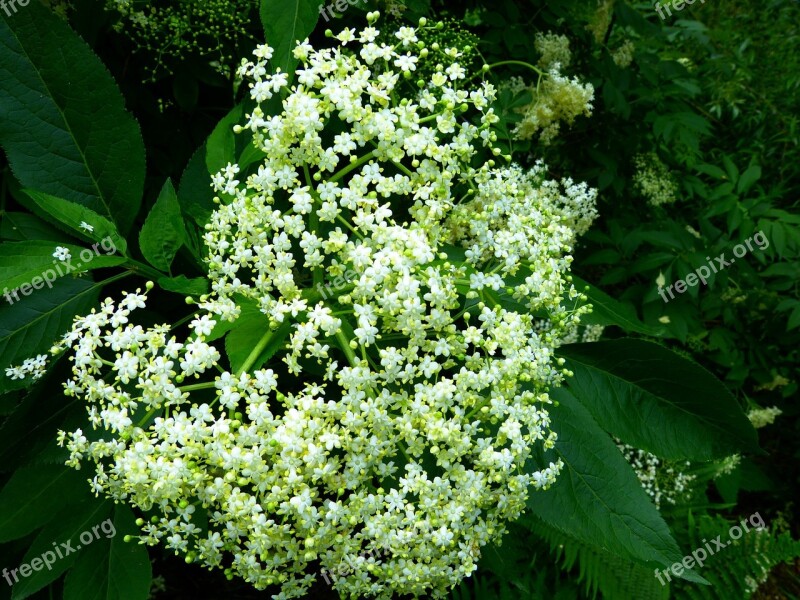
{"points": [[397, 418], [653, 180], [553, 48], [761, 417], [662, 480]]}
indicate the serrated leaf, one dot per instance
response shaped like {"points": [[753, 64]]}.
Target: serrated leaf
{"points": [[28, 263], [63, 122], [183, 285], [608, 311], [65, 528], [628, 385], [73, 215], [286, 23], [112, 569], [163, 232], [33, 496], [30, 326], [597, 499]]}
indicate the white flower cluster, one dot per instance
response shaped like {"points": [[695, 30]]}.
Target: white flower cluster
{"points": [[761, 417], [556, 99], [400, 421], [554, 48], [623, 56], [653, 180], [662, 481], [32, 367]]}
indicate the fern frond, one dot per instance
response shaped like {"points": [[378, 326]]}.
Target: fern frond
{"points": [[599, 571], [736, 571]]}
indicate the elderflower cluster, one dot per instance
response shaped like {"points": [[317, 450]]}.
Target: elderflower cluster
{"points": [[623, 56], [653, 180], [554, 48], [761, 417], [397, 418], [662, 480], [556, 99]]}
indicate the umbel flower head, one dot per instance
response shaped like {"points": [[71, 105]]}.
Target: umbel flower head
{"points": [[392, 431]]}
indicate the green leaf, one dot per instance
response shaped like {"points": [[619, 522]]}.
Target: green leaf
{"points": [[112, 569], [285, 24], [66, 527], [748, 178], [63, 122], [25, 265], [21, 226], [33, 496], [730, 168], [712, 170], [73, 215], [597, 499], [183, 285], [163, 232], [221, 144], [628, 385], [247, 334], [30, 326], [608, 311], [194, 192]]}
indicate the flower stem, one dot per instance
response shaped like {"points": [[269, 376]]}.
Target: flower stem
{"points": [[257, 350], [352, 166]]}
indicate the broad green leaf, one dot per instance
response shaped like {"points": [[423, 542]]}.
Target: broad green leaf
{"points": [[597, 499], [163, 232], [194, 192], [287, 22], [748, 179], [245, 337], [74, 216], [21, 226], [112, 569], [63, 122], [66, 528], [730, 168], [712, 170], [33, 496], [608, 311], [183, 285], [30, 326], [29, 266], [221, 144], [656, 400], [29, 431]]}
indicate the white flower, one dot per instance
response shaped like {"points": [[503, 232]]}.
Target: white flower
{"points": [[62, 254], [84, 225]]}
